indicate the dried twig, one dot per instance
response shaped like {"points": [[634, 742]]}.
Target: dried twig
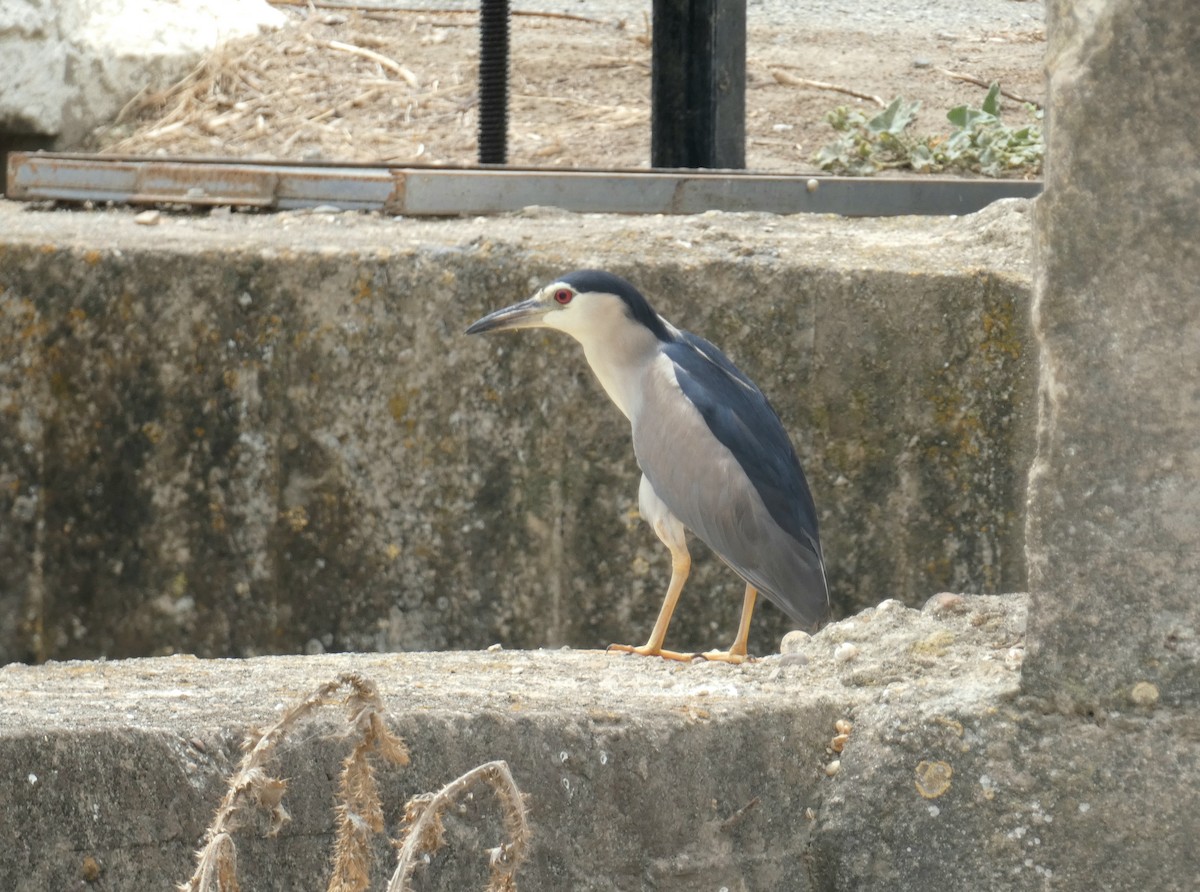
{"points": [[253, 788], [740, 815], [980, 82], [783, 77], [218, 866], [600, 61], [390, 64], [372, 10], [425, 833], [360, 810], [769, 141]]}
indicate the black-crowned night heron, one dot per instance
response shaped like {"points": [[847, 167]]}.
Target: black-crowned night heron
{"points": [[715, 458]]}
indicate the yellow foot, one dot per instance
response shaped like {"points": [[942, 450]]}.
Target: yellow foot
{"points": [[727, 656], [647, 651]]}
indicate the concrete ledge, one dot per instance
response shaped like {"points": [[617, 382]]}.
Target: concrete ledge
{"points": [[637, 770], [238, 434], [641, 774]]}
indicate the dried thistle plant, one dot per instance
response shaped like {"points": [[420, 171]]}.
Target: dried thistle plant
{"points": [[425, 833], [360, 810], [252, 788]]}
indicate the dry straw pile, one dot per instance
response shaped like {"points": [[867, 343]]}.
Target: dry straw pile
{"points": [[397, 87]]}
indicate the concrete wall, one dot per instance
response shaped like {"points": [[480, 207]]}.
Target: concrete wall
{"points": [[641, 774], [1115, 493], [238, 434]]}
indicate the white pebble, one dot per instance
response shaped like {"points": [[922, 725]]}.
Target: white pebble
{"points": [[793, 642], [845, 652], [1144, 694]]}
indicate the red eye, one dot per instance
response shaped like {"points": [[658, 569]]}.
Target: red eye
{"points": [[563, 295]]}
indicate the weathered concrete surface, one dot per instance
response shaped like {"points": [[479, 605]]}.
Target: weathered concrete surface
{"points": [[68, 66], [631, 765], [238, 434], [1115, 496], [641, 774]]}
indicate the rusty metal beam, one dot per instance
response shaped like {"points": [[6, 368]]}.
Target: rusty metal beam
{"points": [[451, 191]]}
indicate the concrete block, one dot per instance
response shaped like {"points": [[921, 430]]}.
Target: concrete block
{"points": [[70, 66], [242, 434], [640, 774], [1115, 489]]}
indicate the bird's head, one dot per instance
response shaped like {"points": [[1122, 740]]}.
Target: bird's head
{"points": [[589, 305]]}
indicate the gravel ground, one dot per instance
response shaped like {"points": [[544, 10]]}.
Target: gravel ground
{"points": [[861, 15], [579, 85]]}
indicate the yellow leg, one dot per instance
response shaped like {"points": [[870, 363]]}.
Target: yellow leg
{"points": [[681, 565], [737, 653]]}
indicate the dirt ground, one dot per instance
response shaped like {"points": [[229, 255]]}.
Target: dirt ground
{"points": [[400, 87]]}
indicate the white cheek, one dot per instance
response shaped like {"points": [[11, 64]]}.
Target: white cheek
{"points": [[594, 321], [554, 319], [567, 319]]}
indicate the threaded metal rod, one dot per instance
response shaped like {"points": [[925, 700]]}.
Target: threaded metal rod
{"points": [[493, 81]]}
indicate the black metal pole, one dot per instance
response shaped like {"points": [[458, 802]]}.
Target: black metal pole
{"points": [[698, 84], [493, 81]]}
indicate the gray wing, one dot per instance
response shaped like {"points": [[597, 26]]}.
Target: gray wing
{"points": [[722, 462]]}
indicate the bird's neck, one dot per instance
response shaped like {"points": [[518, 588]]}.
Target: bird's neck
{"points": [[621, 366]]}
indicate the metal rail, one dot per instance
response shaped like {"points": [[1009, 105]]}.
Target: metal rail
{"points": [[453, 191]]}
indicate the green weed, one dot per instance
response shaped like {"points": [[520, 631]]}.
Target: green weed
{"points": [[980, 143]]}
